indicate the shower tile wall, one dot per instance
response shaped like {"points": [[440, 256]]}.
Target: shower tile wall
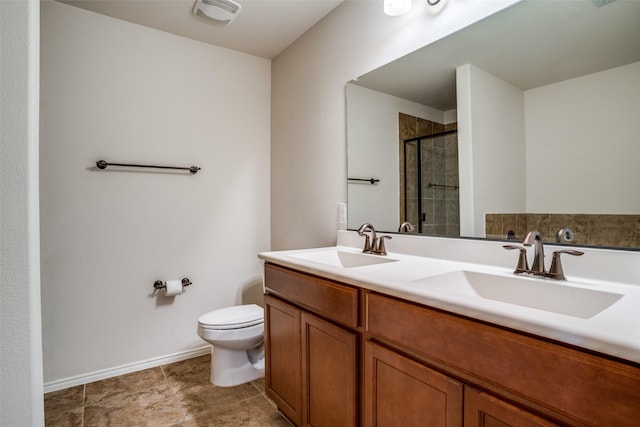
{"points": [[589, 229], [440, 166], [440, 204]]}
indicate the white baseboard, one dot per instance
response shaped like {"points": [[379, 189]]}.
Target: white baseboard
{"points": [[125, 369]]}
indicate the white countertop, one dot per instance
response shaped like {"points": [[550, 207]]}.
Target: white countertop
{"points": [[614, 331]]}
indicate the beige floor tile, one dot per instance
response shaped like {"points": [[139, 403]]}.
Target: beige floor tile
{"points": [[149, 379], [142, 408], [255, 412], [64, 407], [202, 399], [68, 418], [259, 384], [177, 394], [188, 373], [64, 400], [189, 380]]}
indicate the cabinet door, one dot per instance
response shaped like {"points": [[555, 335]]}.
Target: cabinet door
{"points": [[402, 392], [483, 410], [283, 364], [329, 374]]}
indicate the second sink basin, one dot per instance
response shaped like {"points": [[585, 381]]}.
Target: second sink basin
{"points": [[343, 259], [555, 297]]}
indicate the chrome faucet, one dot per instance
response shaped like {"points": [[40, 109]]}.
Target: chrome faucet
{"points": [[406, 227], [374, 245], [535, 238], [369, 244], [380, 249]]}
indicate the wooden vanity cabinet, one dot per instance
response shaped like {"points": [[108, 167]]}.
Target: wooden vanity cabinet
{"points": [[341, 356], [311, 370], [509, 378]]}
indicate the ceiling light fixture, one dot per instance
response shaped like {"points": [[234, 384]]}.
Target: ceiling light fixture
{"points": [[400, 7], [396, 7], [221, 11]]}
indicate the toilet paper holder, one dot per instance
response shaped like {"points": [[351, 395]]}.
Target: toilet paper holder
{"points": [[159, 284]]}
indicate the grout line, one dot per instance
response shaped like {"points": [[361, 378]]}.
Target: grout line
{"points": [[263, 393], [173, 393], [84, 403], [261, 390]]}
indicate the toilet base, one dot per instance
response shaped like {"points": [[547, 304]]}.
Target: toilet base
{"points": [[232, 367]]}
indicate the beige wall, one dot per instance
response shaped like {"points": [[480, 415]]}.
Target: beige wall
{"points": [[20, 331], [492, 164], [581, 146], [373, 152], [125, 93], [308, 135]]}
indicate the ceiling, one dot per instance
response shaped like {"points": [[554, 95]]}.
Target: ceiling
{"points": [[531, 44], [263, 27]]}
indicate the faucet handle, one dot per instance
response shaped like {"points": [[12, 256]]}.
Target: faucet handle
{"points": [[556, 272], [367, 245], [523, 265], [381, 250]]}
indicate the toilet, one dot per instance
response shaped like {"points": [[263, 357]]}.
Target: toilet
{"points": [[237, 336]]}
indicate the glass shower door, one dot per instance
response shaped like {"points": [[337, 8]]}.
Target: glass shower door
{"points": [[431, 197]]}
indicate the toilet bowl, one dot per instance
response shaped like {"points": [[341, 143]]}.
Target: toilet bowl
{"points": [[237, 336]]}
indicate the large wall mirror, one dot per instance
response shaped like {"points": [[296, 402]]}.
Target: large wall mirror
{"points": [[526, 120]]}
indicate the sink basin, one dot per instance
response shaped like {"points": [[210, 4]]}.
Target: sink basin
{"points": [[555, 297], [337, 258]]}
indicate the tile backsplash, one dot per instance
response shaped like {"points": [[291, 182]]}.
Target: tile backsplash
{"points": [[621, 231]]}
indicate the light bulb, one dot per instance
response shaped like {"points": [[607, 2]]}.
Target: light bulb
{"points": [[396, 7]]}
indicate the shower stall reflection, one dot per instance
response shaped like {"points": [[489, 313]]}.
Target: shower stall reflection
{"points": [[430, 184]]}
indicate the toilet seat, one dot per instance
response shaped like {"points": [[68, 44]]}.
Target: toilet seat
{"points": [[236, 317]]}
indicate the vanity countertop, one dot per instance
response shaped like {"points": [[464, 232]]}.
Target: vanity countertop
{"points": [[615, 330]]}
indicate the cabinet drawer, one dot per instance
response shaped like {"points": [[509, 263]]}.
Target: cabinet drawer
{"points": [[324, 297], [592, 389]]}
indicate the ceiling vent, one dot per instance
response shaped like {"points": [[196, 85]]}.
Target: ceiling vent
{"points": [[221, 11]]}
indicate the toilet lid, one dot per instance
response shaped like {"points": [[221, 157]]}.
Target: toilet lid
{"points": [[239, 316]]}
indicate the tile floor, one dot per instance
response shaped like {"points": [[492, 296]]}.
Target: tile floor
{"points": [[178, 394]]}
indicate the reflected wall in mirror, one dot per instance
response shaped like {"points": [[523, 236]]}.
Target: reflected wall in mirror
{"points": [[546, 98]]}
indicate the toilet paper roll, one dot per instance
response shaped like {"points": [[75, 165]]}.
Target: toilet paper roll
{"points": [[173, 288]]}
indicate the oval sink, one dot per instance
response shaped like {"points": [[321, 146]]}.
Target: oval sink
{"points": [[547, 295], [337, 258]]}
